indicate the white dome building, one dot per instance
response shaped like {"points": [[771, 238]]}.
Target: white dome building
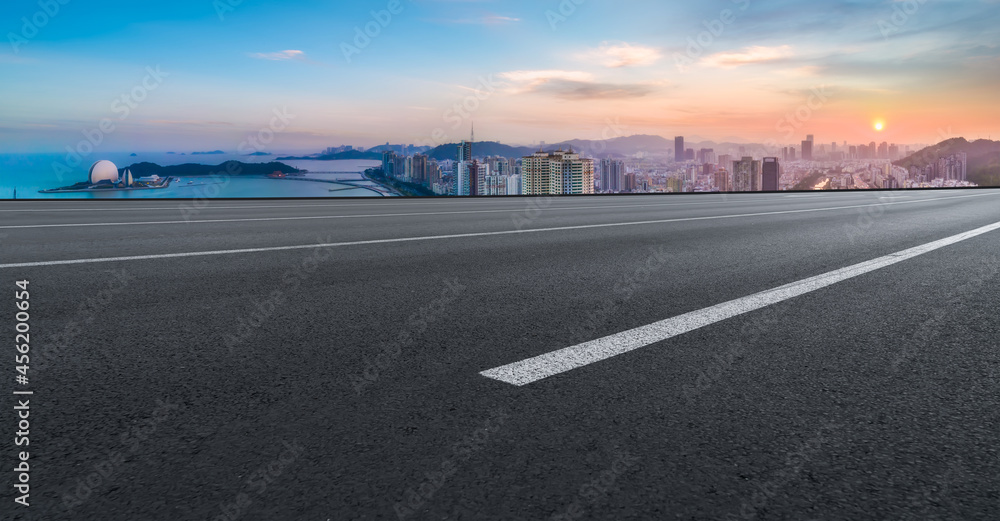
{"points": [[103, 171]]}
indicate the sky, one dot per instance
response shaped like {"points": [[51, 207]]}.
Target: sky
{"points": [[250, 75]]}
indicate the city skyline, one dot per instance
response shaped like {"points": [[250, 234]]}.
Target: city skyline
{"points": [[741, 71]]}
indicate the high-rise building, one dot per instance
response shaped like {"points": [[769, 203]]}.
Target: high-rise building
{"points": [[463, 183], [722, 180], [630, 184], [478, 172], [387, 163], [465, 151], [689, 154], [807, 149], [770, 174], [706, 155], [612, 175], [679, 149], [418, 169], [883, 150], [952, 168], [810, 138], [746, 175], [555, 173], [726, 162]]}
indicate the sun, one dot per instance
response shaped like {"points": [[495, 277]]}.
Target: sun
{"points": [[879, 126]]}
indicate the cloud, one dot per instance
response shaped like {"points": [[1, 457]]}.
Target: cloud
{"points": [[493, 19], [747, 56], [617, 55], [571, 85], [528, 81], [279, 56]]}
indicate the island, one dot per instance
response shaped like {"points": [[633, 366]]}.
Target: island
{"points": [[105, 176], [349, 155]]}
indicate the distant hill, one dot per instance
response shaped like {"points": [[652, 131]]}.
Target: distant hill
{"points": [[479, 149], [983, 156], [192, 170], [616, 147], [620, 146], [212, 153], [349, 155]]}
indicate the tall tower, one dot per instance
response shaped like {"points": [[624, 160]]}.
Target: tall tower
{"points": [[679, 149]]}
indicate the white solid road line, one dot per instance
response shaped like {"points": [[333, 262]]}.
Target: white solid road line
{"points": [[550, 364], [386, 202], [433, 237], [467, 212], [396, 202]]}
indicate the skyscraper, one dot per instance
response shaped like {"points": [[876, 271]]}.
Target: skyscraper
{"points": [[478, 172], [612, 175], [770, 174], [807, 150], [465, 151], [722, 181], [418, 169], [746, 175], [462, 181]]}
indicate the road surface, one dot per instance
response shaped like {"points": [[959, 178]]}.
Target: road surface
{"points": [[756, 356]]}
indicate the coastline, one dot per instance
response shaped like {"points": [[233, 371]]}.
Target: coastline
{"points": [[166, 184]]}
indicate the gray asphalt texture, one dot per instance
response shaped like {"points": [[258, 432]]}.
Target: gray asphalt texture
{"points": [[343, 382]]}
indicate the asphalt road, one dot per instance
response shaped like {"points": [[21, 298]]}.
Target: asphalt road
{"points": [[289, 381]]}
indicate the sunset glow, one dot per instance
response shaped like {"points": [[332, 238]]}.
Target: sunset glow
{"points": [[523, 71]]}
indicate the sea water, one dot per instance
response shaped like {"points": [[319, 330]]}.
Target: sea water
{"points": [[29, 174]]}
